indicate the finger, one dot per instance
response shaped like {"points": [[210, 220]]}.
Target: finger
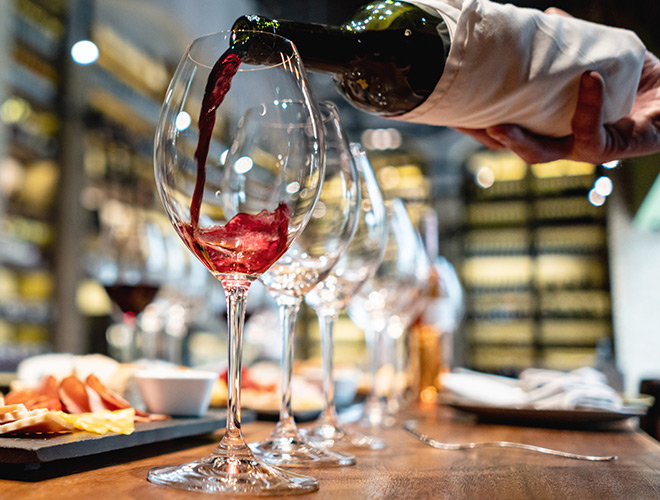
{"points": [[586, 123], [530, 147], [556, 11], [482, 136]]}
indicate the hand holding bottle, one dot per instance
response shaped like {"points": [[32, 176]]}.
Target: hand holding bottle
{"points": [[637, 134], [592, 140]]}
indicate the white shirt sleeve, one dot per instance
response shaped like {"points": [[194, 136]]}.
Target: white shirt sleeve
{"points": [[517, 65]]}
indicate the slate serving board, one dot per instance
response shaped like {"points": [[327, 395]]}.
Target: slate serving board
{"points": [[48, 448]]}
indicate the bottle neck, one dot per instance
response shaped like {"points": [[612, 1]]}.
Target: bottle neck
{"points": [[323, 48]]}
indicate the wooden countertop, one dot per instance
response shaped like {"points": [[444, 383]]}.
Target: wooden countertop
{"points": [[406, 469]]}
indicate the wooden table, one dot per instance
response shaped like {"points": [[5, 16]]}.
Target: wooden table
{"points": [[406, 469]]}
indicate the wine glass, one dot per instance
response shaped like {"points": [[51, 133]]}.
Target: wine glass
{"points": [[308, 261], [333, 294], [127, 259], [384, 305], [397, 337], [238, 193]]}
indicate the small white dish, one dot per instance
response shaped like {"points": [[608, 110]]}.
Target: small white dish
{"points": [[176, 392]]}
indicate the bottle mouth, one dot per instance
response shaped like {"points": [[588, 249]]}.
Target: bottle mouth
{"points": [[256, 42]]}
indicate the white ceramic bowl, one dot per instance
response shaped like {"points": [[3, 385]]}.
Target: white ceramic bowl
{"points": [[176, 392]]}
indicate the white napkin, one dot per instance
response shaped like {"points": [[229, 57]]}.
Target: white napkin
{"points": [[540, 389], [509, 64]]}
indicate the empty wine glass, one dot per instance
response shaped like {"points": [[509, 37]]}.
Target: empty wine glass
{"points": [[307, 262], [382, 307], [238, 193], [397, 338], [333, 294]]}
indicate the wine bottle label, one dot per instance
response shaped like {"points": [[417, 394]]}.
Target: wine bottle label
{"points": [[509, 64]]}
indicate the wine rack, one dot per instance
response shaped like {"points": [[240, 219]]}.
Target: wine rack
{"points": [[535, 265], [32, 49]]}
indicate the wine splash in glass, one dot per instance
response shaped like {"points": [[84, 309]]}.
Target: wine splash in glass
{"points": [[238, 189]]}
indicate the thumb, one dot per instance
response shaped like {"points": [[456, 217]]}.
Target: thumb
{"points": [[586, 122]]}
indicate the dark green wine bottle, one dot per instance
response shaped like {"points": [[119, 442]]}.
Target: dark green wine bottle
{"points": [[386, 60]]}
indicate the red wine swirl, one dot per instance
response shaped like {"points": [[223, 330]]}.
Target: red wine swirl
{"points": [[247, 244]]}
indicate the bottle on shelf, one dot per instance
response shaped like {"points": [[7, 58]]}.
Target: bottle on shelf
{"points": [[433, 333]]}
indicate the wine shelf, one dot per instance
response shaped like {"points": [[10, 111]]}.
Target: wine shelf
{"points": [[535, 266], [32, 91]]}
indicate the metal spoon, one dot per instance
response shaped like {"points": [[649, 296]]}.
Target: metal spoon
{"points": [[410, 426]]}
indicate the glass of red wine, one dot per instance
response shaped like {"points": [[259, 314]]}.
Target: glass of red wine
{"points": [[126, 259], [239, 158], [308, 261]]}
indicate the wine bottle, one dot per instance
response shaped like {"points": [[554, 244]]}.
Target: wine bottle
{"points": [[386, 60]]}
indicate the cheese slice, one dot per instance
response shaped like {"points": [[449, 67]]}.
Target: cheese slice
{"points": [[39, 421], [9, 413], [102, 422], [11, 408]]}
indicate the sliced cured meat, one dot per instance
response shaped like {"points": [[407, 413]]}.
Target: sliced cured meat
{"points": [[73, 395]]}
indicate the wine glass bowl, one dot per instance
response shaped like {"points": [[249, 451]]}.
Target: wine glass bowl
{"points": [[248, 180], [238, 163], [332, 222]]}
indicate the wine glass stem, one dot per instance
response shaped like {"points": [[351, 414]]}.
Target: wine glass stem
{"points": [[371, 339], [327, 326], [289, 308], [236, 297]]}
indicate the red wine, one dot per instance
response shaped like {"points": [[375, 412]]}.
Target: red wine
{"points": [[217, 86], [132, 298], [247, 244]]}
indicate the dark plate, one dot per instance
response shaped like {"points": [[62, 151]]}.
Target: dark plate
{"points": [[47, 448], [546, 418]]}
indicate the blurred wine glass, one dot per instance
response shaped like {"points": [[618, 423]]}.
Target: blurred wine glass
{"points": [[331, 296], [127, 259], [384, 307], [397, 339], [308, 261], [238, 185]]}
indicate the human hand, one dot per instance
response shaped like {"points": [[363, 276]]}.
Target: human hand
{"points": [[637, 134]]}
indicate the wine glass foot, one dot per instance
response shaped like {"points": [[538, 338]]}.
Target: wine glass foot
{"points": [[234, 475], [331, 436], [377, 416], [298, 451]]}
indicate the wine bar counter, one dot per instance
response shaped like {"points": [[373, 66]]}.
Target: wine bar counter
{"points": [[406, 469]]}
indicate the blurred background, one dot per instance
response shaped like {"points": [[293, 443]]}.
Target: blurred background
{"points": [[559, 263]]}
